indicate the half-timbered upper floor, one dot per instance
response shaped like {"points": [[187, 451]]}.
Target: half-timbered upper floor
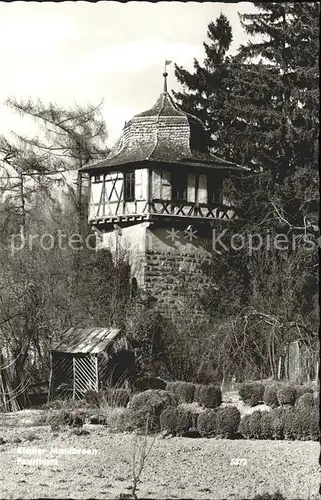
{"points": [[136, 194], [160, 167]]}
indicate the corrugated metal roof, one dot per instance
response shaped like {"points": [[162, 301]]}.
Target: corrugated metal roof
{"points": [[87, 340]]}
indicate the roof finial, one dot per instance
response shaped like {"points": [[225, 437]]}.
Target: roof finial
{"points": [[165, 74]]}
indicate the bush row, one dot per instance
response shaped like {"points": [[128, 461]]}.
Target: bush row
{"points": [[273, 394], [219, 422], [146, 407], [300, 423], [183, 390], [208, 396]]}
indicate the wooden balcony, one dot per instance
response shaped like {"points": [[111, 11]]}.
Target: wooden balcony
{"points": [[161, 210]]}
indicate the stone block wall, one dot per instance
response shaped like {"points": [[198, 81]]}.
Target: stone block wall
{"points": [[172, 279], [170, 271]]}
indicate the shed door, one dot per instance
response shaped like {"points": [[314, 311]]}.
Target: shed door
{"points": [[85, 375]]}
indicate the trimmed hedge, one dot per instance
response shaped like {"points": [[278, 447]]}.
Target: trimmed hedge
{"points": [[210, 396], [219, 422], [251, 393], [268, 496], [278, 416], [197, 392], [305, 401], [270, 397], [286, 395], [250, 425], [289, 425], [266, 425], [176, 421], [315, 424], [227, 421], [302, 389], [316, 396], [147, 407], [206, 423], [282, 423], [302, 424], [184, 390]]}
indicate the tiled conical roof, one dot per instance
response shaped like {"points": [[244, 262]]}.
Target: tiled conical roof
{"points": [[163, 134]]}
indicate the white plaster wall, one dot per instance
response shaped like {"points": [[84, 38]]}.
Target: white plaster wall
{"points": [[180, 242], [114, 195], [128, 244]]}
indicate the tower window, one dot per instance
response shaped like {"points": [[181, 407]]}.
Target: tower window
{"points": [[129, 186], [179, 186], [214, 189]]}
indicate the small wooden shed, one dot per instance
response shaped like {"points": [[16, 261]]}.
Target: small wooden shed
{"points": [[86, 359]]}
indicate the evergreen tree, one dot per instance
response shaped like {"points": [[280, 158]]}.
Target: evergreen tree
{"points": [[260, 106], [207, 91], [267, 107], [288, 52]]}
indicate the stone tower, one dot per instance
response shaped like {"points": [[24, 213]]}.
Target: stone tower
{"points": [[156, 198]]}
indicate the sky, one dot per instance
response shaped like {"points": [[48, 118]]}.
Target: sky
{"points": [[81, 52]]}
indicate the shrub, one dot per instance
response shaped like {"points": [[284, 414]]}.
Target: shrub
{"points": [[290, 424], [56, 418], [267, 496], [94, 398], [250, 425], [148, 405], [316, 397], [206, 423], [55, 404], [270, 395], [210, 396], [305, 401], [176, 421], [302, 389], [286, 395], [302, 423], [244, 427], [251, 393], [255, 424], [278, 416], [227, 421], [266, 425], [197, 392], [315, 424], [184, 390], [29, 436]]}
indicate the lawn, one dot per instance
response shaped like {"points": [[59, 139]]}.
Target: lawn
{"points": [[176, 468]]}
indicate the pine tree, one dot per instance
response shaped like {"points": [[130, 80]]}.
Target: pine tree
{"points": [[226, 93], [207, 91]]}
